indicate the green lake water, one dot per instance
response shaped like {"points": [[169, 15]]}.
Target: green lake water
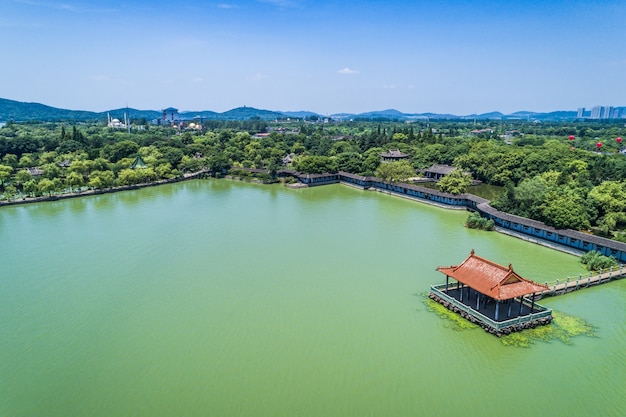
{"points": [[221, 298]]}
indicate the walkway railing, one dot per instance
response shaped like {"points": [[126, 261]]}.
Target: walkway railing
{"points": [[496, 325], [569, 284]]}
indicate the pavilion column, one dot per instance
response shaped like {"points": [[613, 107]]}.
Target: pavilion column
{"points": [[477, 301], [468, 293], [521, 304], [447, 279], [461, 293], [532, 303], [509, 311], [497, 308]]}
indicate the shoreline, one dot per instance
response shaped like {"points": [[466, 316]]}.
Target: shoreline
{"points": [[297, 185], [90, 192]]}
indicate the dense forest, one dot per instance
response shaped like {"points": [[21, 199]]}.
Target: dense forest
{"points": [[566, 174]]}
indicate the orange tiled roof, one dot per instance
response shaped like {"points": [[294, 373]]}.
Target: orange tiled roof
{"points": [[489, 278]]}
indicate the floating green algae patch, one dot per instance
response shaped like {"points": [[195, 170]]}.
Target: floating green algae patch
{"points": [[457, 322], [563, 328]]}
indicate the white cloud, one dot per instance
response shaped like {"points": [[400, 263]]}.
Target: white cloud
{"points": [[226, 6], [258, 77], [389, 86], [347, 71]]}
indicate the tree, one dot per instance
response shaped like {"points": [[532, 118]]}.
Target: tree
{"points": [[609, 197], [190, 164], [5, 173], [120, 150], [397, 171], [595, 261], [26, 161], [565, 209], [164, 171], [128, 177], [349, 162], [218, 164], [22, 176], [476, 221], [30, 187], [51, 171], [455, 182], [9, 192], [74, 179], [80, 166], [46, 186], [101, 179], [10, 160], [68, 146], [316, 164]]}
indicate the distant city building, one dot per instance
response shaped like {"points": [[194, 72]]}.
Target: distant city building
{"points": [[615, 113], [169, 116], [600, 112], [116, 123], [596, 112]]}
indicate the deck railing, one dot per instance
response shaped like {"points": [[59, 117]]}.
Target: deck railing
{"points": [[541, 311]]}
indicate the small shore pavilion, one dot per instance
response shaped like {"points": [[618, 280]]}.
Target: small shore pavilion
{"points": [[492, 295]]}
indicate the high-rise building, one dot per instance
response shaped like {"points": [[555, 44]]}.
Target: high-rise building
{"points": [[607, 112], [596, 112], [581, 113], [614, 114]]}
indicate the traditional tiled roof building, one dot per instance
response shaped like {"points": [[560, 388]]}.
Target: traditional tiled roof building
{"points": [[493, 295]]}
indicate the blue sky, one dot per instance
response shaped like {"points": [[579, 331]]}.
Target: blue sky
{"points": [[449, 56]]}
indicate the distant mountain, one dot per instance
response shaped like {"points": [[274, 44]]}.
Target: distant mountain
{"points": [[494, 115], [382, 114], [131, 113], [300, 114], [244, 113], [556, 115], [17, 110], [199, 114], [343, 116], [21, 111]]}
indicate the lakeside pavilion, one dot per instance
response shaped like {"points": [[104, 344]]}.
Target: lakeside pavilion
{"points": [[492, 295]]}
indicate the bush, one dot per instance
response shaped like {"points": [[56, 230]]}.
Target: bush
{"points": [[475, 221], [595, 261]]}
